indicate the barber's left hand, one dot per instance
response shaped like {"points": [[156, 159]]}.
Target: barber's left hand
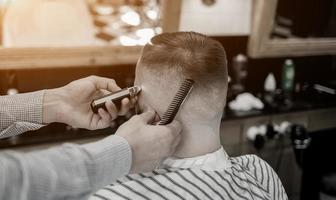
{"points": [[71, 104]]}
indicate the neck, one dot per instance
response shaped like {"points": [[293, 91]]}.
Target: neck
{"points": [[198, 139]]}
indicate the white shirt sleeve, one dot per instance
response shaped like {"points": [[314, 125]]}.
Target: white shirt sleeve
{"points": [[66, 172]]}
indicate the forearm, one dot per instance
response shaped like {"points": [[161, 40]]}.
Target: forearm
{"points": [[20, 113], [67, 172]]}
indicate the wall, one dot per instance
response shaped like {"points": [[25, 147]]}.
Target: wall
{"points": [[308, 69]]}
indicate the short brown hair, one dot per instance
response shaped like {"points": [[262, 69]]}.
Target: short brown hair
{"points": [[197, 56], [189, 55]]}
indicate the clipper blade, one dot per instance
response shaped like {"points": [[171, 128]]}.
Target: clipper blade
{"points": [[177, 102]]}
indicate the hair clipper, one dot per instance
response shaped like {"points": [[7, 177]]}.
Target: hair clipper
{"points": [[115, 97]]}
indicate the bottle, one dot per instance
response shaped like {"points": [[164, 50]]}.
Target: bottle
{"points": [[270, 83], [239, 73], [12, 83], [288, 74]]}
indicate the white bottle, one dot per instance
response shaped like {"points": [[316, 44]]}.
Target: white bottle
{"points": [[270, 83]]}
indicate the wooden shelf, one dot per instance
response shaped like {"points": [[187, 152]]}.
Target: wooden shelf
{"points": [[33, 58]]}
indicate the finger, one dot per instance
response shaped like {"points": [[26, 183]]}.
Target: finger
{"points": [[105, 83], [176, 127], [112, 110], [94, 122], [100, 93], [105, 116], [125, 106], [104, 92], [148, 116], [113, 124], [134, 101]]}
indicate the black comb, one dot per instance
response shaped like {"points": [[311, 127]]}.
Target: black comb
{"points": [[178, 100]]}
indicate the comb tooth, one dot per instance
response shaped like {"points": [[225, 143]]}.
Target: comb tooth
{"points": [[177, 101]]}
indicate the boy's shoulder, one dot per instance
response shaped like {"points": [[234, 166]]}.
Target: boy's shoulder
{"points": [[254, 165], [249, 160], [262, 173]]}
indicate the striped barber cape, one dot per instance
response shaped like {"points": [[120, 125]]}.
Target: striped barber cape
{"points": [[212, 176]]}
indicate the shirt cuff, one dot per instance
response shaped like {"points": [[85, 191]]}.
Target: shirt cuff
{"points": [[20, 113], [26, 107], [111, 158]]}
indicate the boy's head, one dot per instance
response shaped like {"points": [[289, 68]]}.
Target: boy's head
{"points": [[168, 59]]}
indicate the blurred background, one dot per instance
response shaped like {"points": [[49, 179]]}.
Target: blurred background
{"points": [[281, 58]]}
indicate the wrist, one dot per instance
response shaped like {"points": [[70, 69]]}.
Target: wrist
{"points": [[113, 153], [52, 105]]}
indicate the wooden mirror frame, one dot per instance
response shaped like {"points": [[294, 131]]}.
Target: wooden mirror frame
{"points": [[30, 58], [260, 44]]}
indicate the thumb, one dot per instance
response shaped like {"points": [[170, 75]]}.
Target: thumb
{"points": [[176, 127], [105, 83], [148, 116]]}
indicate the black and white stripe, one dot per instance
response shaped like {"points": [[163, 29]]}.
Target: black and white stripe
{"points": [[249, 177]]}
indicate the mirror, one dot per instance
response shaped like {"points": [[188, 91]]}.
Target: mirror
{"points": [[293, 28], [52, 33]]}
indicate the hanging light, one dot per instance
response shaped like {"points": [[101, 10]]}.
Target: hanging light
{"points": [[127, 41], [132, 18]]}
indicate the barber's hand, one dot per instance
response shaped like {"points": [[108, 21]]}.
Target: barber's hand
{"points": [[71, 104], [149, 143]]}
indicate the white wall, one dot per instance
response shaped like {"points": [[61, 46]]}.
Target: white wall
{"points": [[224, 18]]}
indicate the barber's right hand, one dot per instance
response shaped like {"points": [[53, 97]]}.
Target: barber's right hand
{"points": [[150, 143], [70, 104]]}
